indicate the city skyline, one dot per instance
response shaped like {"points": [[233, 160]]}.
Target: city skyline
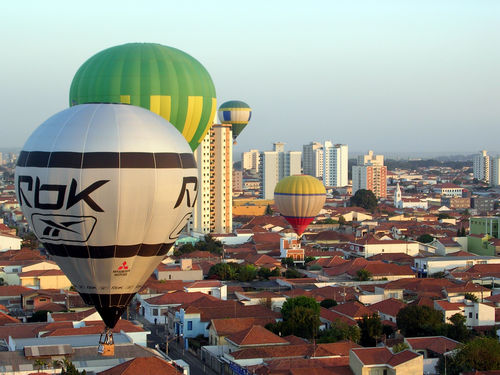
{"points": [[393, 75]]}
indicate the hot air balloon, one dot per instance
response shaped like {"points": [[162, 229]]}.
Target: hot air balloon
{"points": [[236, 113], [299, 199], [106, 188], [162, 79]]}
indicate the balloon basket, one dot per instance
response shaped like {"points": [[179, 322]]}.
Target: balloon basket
{"points": [[106, 346]]}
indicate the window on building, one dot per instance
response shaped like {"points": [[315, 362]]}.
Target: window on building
{"points": [[189, 325], [476, 315], [155, 312], [470, 315]]}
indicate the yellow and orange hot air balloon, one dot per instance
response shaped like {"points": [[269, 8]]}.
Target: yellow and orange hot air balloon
{"points": [[299, 199]]}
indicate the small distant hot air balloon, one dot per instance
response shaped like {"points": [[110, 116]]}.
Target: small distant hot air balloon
{"points": [[236, 113], [299, 199], [107, 188], [165, 80]]}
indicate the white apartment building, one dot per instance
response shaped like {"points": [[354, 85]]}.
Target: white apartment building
{"points": [[275, 165], [481, 166], [213, 211], [312, 159], [335, 165], [495, 171], [250, 161]]}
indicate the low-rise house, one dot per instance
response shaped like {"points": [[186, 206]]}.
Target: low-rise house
{"points": [[369, 246], [193, 319], [459, 290], [354, 310], [432, 346], [447, 245], [9, 242], [388, 309], [254, 336], [477, 314], [185, 271], [258, 356], [11, 295], [219, 329], [155, 309], [381, 360], [290, 247], [377, 270], [214, 288], [273, 300], [45, 279], [431, 265]]}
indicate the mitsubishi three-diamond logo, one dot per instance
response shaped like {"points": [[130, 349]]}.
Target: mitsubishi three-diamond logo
{"points": [[63, 227]]}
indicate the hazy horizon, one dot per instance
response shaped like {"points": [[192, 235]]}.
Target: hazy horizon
{"points": [[390, 75]]}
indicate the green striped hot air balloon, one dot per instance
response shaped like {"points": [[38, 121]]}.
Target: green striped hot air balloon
{"points": [[163, 79], [236, 113]]}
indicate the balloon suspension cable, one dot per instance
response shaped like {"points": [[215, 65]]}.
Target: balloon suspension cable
{"points": [[106, 343]]}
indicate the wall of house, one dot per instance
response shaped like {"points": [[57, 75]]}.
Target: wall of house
{"points": [[10, 243], [413, 366], [479, 314], [186, 275], [54, 282]]}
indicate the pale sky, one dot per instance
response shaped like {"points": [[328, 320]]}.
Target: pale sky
{"points": [[387, 75]]}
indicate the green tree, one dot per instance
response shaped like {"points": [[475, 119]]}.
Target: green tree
{"points": [[457, 330], [425, 238], [269, 210], [371, 330], [292, 273], [68, 368], [480, 354], [364, 198], [327, 303], [400, 347], [184, 249], [363, 275], [339, 331], [210, 244], [471, 297], [40, 364], [443, 215], [288, 262], [38, 316], [246, 273], [342, 220], [224, 271], [309, 259], [302, 301], [417, 321]]}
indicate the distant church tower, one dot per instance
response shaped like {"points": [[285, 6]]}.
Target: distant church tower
{"points": [[398, 201]]}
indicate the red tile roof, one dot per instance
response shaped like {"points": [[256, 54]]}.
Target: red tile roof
{"points": [[355, 309], [7, 319], [143, 366], [382, 356], [437, 344], [176, 298], [14, 290], [334, 316], [256, 335], [41, 273], [72, 316], [229, 326], [389, 306]]}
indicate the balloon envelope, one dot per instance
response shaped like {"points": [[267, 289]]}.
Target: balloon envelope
{"points": [[299, 199], [162, 79], [236, 113], [106, 188]]}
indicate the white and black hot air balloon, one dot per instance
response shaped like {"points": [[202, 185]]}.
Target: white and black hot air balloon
{"points": [[107, 188]]}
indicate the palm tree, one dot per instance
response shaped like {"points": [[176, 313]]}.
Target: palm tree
{"points": [[40, 364]]}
